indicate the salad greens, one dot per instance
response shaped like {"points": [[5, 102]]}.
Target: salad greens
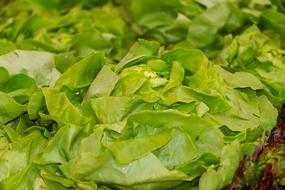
{"points": [[136, 94], [264, 169]]}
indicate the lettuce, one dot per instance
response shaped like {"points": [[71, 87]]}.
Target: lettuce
{"points": [[143, 95]]}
